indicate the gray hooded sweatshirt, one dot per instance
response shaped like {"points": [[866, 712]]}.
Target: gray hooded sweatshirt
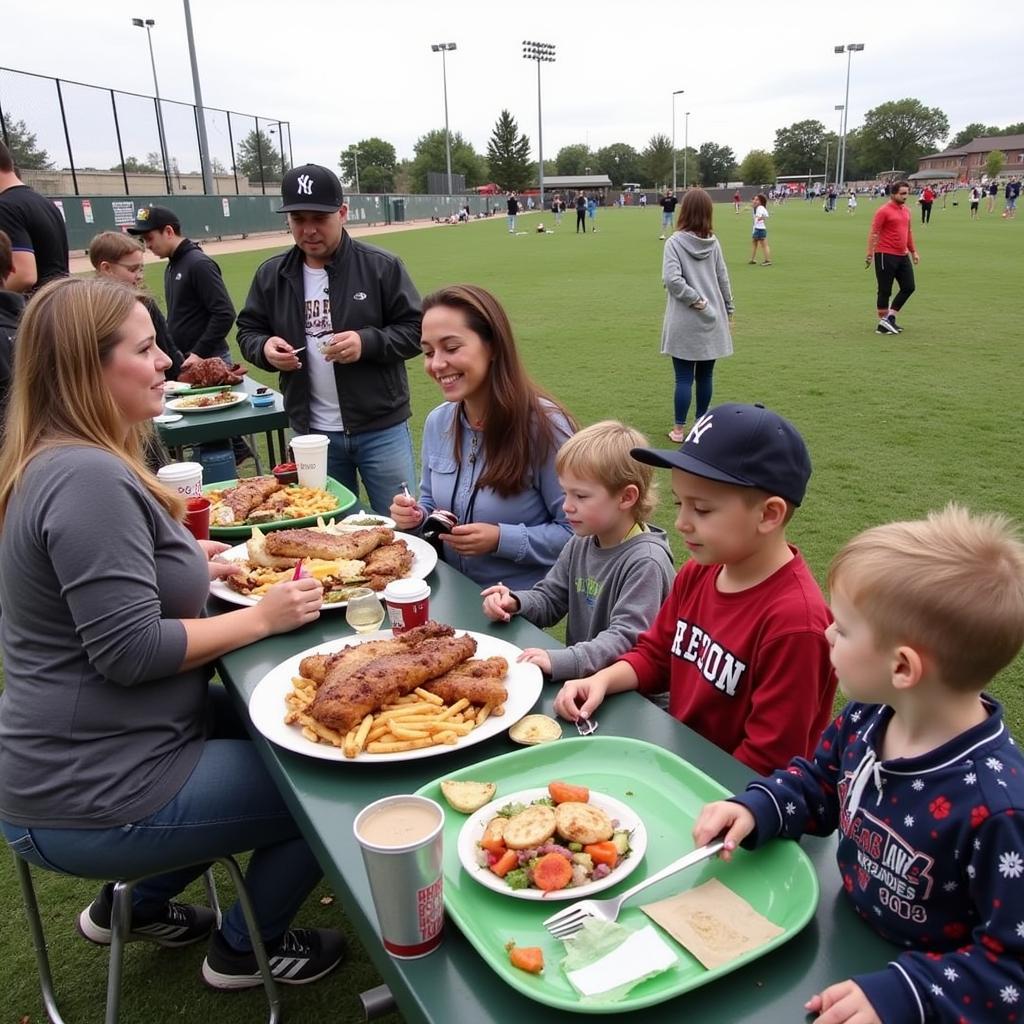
{"points": [[693, 269], [609, 595]]}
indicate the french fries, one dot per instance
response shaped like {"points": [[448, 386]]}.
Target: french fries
{"points": [[420, 719]]}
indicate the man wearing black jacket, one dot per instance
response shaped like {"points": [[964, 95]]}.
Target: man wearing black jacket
{"points": [[199, 310], [355, 311]]}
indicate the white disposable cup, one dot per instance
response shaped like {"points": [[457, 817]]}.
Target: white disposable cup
{"points": [[405, 877], [185, 478], [407, 603], [310, 451]]}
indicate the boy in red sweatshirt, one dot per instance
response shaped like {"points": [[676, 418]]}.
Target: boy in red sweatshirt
{"points": [[739, 643]]}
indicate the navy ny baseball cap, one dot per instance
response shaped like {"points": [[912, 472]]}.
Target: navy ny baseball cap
{"points": [[154, 218], [311, 188], [745, 445]]}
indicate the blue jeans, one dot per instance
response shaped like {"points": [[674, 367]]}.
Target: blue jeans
{"points": [[686, 370], [228, 805], [511, 222], [383, 459]]}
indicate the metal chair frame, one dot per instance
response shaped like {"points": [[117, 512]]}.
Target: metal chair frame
{"points": [[120, 926]]}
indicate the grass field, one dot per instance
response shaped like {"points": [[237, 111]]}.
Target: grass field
{"points": [[895, 425]]}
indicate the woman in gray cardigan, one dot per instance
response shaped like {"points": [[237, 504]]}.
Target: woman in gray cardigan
{"points": [[698, 315]]}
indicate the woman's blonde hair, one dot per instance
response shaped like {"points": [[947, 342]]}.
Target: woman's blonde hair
{"points": [[601, 452], [951, 586], [59, 395]]}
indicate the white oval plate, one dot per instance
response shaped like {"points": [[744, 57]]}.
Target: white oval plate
{"points": [[424, 558], [473, 830], [175, 387], [267, 708], [237, 397]]}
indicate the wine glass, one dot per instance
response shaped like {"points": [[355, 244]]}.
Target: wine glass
{"points": [[364, 613]]}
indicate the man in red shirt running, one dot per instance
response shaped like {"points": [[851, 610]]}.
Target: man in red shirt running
{"points": [[891, 246]]}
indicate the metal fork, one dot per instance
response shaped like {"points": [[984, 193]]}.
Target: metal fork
{"points": [[568, 922], [586, 726]]}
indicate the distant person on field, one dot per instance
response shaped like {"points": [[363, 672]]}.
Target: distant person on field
{"points": [[993, 191], [610, 579], [39, 239], [1011, 195], [581, 212], [11, 306], [698, 311], [740, 642], [668, 202], [759, 236], [976, 193], [592, 211], [851, 203], [891, 247], [512, 208], [737, 201], [918, 773], [927, 200]]}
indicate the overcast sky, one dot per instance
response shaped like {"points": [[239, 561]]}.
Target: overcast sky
{"points": [[340, 72]]}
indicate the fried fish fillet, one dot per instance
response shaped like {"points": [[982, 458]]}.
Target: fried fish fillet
{"points": [[313, 543], [248, 494], [342, 703], [347, 660], [386, 563], [480, 682]]}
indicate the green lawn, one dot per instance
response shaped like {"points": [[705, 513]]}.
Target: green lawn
{"points": [[895, 425]]}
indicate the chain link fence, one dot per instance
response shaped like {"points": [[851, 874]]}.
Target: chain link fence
{"points": [[69, 138]]}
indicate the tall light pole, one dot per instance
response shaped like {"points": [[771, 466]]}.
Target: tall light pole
{"points": [[443, 48], [355, 156], [204, 145], [148, 25], [850, 49], [839, 140], [279, 131], [539, 52], [678, 92], [686, 144]]}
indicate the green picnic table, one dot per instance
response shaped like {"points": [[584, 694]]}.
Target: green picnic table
{"points": [[454, 983]]}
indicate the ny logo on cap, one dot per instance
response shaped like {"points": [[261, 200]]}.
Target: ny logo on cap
{"points": [[305, 185], [698, 429]]}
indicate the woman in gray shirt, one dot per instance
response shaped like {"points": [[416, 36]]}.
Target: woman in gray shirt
{"points": [[117, 758]]}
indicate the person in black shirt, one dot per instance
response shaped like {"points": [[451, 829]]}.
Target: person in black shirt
{"points": [[581, 212], [11, 305], [35, 227], [668, 208]]}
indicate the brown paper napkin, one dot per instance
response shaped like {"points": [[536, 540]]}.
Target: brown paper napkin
{"points": [[712, 922]]}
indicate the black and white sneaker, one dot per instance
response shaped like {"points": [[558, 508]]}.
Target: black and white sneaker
{"points": [[884, 327], [178, 924], [302, 955], [891, 318]]}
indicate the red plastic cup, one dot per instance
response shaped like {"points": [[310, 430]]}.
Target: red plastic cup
{"points": [[197, 517], [407, 603]]}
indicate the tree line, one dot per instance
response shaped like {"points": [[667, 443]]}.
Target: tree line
{"points": [[892, 137]]}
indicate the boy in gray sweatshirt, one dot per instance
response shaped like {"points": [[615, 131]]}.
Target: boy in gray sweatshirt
{"points": [[613, 575]]}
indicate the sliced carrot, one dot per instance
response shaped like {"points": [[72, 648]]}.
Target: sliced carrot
{"points": [[552, 872], [564, 793], [603, 853], [526, 958], [508, 860], [493, 845]]}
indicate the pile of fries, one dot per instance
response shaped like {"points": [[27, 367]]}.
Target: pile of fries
{"points": [[418, 720]]}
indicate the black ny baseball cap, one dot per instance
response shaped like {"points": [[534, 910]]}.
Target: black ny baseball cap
{"points": [[745, 445], [154, 218], [313, 188]]}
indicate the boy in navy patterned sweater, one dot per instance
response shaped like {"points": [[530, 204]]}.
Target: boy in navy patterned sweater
{"points": [[918, 772]]}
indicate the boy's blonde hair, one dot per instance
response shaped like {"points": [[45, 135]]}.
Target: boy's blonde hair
{"points": [[112, 246], [601, 452], [951, 586]]}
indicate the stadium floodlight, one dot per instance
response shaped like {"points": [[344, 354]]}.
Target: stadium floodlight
{"points": [[540, 52], [678, 92], [148, 24], [686, 144], [443, 48], [355, 156], [849, 49], [839, 136]]}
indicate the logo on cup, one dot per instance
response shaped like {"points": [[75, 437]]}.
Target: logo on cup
{"points": [[430, 908]]}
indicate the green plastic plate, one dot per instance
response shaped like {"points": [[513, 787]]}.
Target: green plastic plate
{"points": [[346, 499], [667, 792]]}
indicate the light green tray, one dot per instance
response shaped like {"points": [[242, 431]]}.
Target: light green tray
{"points": [[778, 880], [346, 499]]}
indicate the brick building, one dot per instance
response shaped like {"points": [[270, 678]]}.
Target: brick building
{"points": [[967, 163]]}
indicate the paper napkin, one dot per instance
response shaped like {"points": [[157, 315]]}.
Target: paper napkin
{"points": [[605, 960]]}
